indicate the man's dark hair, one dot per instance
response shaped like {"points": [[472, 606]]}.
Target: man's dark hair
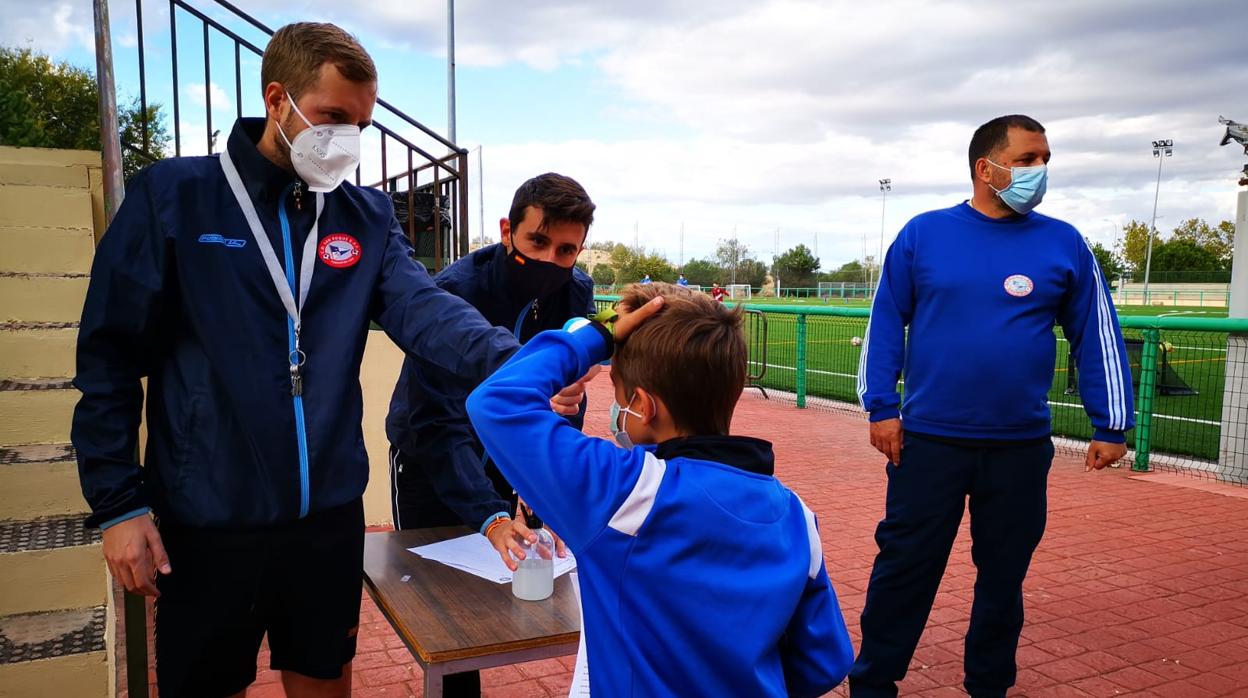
{"points": [[995, 135], [561, 199], [691, 354]]}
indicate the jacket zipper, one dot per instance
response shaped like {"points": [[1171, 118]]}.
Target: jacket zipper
{"points": [[300, 424], [520, 320]]}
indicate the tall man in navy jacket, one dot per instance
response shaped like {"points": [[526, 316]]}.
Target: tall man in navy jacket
{"points": [[979, 286], [255, 462]]}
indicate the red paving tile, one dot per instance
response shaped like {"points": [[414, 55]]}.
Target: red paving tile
{"points": [[1140, 586]]}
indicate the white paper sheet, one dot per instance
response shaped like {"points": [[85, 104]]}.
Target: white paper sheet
{"points": [[474, 554], [580, 675]]}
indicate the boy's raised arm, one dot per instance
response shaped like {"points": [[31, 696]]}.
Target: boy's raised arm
{"points": [[577, 483]]}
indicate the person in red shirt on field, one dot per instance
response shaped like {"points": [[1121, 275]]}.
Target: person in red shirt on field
{"points": [[718, 292]]}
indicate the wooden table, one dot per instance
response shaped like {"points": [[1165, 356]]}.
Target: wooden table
{"points": [[453, 621]]}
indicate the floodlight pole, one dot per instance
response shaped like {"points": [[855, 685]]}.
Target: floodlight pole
{"points": [[480, 189], [886, 185], [1162, 149], [450, 69]]}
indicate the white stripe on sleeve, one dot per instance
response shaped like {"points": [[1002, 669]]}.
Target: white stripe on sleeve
{"points": [[636, 507]]}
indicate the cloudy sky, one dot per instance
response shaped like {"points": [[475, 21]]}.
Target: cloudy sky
{"points": [[770, 118]]}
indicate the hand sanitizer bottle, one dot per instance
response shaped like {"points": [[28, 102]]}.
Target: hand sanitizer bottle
{"points": [[534, 578]]}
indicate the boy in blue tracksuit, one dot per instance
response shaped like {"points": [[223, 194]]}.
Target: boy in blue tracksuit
{"points": [[979, 287], [700, 573]]}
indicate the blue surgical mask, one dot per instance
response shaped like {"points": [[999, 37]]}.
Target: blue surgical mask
{"points": [[1027, 187], [617, 429]]}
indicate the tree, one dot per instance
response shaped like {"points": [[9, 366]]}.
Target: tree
{"points": [[658, 268], [752, 272], [797, 268], [603, 275], [621, 258], [1183, 254], [701, 272], [130, 123], [849, 271], [730, 254], [582, 266], [45, 104], [602, 245], [1110, 265], [1218, 240], [1133, 248], [56, 105]]}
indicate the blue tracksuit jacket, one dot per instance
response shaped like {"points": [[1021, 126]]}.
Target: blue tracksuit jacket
{"points": [[980, 297], [427, 420], [697, 577], [179, 294]]}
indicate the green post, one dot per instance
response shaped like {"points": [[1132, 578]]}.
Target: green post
{"points": [[1148, 385], [801, 360]]}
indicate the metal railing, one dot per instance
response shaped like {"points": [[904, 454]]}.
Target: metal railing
{"points": [[1190, 378], [436, 184]]}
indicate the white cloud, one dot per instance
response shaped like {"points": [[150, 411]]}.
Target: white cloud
{"points": [[784, 113], [194, 91], [49, 27]]}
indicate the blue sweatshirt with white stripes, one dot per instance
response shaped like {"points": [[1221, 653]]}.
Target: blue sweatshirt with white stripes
{"points": [[699, 576], [980, 297]]}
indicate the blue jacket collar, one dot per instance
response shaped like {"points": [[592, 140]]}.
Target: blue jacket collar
{"points": [[264, 180]]}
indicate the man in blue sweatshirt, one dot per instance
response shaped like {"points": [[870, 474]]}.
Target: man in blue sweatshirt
{"points": [[979, 287], [701, 574], [241, 285]]}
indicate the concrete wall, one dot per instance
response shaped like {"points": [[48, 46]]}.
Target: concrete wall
{"points": [[378, 373]]}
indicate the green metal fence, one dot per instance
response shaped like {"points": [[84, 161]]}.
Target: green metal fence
{"points": [[1179, 367]]}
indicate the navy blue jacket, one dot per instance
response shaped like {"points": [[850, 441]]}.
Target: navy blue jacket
{"points": [[179, 294], [427, 419]]}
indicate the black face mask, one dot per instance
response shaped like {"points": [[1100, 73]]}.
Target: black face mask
{"points": [[531, 278]]}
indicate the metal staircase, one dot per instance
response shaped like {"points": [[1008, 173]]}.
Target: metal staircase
{"points": [[430, 191]]}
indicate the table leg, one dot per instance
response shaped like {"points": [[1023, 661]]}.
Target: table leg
{"points": [[433, 681]]}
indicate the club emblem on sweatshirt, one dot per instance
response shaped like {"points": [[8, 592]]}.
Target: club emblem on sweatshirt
{"points": [[340, 250], [1019, 285]]}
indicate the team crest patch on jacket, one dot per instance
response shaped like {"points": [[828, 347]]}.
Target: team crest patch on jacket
{"points": [[340, 250], [1019, 285]]}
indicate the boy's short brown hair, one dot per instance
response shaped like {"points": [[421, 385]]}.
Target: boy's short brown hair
{"points": [[296, 52], [691, 354]]}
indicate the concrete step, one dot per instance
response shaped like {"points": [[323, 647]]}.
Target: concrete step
{"points": [[54, 654], [46, 250], [36, 411], [45, 207], [39, 480], [15, 155], [38, 350], [51, 563], [44, 174], [42, 297]]}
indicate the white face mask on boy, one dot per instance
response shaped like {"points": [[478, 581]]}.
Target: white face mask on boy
{"points": [[617, 428]]}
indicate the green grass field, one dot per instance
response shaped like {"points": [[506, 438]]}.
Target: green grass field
{"points": [[1182, 424]]}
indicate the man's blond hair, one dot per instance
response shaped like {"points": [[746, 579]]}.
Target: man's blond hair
{"points": [[297, 51]]}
